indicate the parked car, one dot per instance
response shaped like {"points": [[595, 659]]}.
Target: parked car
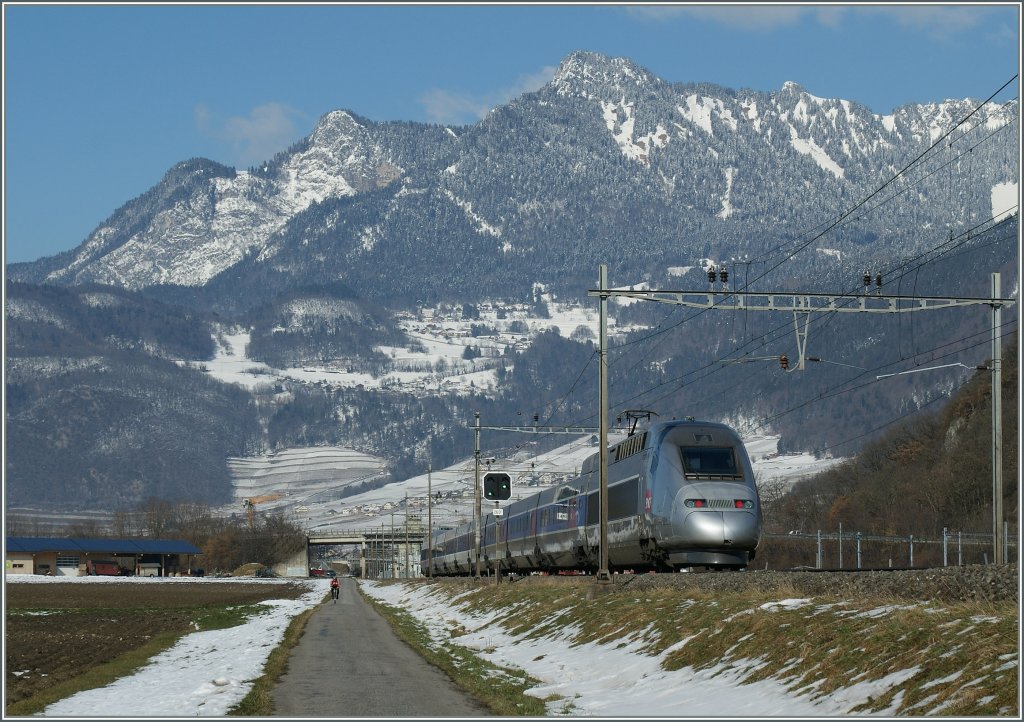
{"points": [[103, 568]]}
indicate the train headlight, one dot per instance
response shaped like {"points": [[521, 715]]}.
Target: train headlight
{"points": [[744, 504], [695, 503]]}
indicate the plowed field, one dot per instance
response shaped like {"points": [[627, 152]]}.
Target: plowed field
{"points": [[55, 631]]}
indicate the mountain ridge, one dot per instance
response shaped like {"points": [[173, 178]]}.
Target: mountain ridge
{"points": [[318, 250], [605, 144]]}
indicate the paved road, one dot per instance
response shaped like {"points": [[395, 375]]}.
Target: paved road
{"points": [[350, 664]]}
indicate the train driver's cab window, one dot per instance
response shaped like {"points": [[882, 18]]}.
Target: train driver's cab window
{"points": [[709, 462]]}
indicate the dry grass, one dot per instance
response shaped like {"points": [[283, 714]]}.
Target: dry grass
{"points": [[929, 657]]}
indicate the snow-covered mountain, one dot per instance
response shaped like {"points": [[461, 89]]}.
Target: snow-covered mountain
{"points": [[606, 163], [322, 269]]}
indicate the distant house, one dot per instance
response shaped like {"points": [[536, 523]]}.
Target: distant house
{"points": [[81, 557]]}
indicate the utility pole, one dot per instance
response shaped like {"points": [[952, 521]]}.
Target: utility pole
{"points": [[430, 527], [497, 543], [393, 556], [476, 493], [405, 555], [998, 551], [603, 575], [574, 430]]}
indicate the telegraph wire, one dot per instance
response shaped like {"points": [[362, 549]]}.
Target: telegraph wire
{"points": [[949, 163], [897, 419], [827, 393], [838, 390], [828, 225]]}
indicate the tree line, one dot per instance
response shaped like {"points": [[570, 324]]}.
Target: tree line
{"points": [[226, 542]]}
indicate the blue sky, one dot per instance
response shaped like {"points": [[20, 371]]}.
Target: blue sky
{"points": [[101, 100]]}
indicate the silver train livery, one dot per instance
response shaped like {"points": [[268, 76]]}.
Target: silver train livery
{"points": [[680, 494]]}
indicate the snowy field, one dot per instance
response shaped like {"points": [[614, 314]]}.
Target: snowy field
{"points": [[298, 477], [309, 482], [438, 338], [622, 680], [208, 672], [204, 674]]}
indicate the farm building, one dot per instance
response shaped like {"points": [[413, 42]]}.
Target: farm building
{"points": [[81, 557]]}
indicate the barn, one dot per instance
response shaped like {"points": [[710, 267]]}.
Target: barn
{"points": [[81, 557]]}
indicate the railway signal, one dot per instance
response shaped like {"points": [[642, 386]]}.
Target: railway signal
{"points": [[497, 485]]}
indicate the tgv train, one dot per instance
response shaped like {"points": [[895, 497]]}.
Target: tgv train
{"points": [[680, 494]]}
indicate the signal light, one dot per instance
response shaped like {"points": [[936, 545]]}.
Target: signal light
{"points": [[784, 361], [723, 275], [497, 485], [711, 275]]}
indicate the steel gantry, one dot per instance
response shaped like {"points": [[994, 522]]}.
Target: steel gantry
{"points": [[802, 305]]}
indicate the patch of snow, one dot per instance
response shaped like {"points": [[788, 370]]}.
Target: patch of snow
{"points": [[806, 146], [1005, 197]]}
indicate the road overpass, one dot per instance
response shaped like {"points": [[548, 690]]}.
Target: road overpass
{"points": [[384, 552]]}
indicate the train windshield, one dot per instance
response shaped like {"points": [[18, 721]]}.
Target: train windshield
{"points": [[710, 462]]}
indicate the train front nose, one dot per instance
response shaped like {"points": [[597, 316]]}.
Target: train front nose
{"points": [[714, 525]]}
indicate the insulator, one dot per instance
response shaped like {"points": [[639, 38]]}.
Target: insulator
{"points": [[784, 361]]}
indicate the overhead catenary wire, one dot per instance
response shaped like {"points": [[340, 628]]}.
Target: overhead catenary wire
{"points": [[838, 221], [844, 218]]}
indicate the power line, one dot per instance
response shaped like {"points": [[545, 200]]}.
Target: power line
{"points": [[844, 218]]}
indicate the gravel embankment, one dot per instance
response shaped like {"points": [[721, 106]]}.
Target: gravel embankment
{"points": [[988, 583], [953, 584]]}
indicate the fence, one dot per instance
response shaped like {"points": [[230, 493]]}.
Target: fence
{"points": [[854, 550]]}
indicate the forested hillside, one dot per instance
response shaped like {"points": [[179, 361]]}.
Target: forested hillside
{"points": [[326, 326], [97, 413], [314, 258], [932, 472]]}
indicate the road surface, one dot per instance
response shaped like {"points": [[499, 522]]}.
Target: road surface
{"points": [[349, 663]]}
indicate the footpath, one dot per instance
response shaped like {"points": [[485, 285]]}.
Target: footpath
{"points": [[349, 663]]}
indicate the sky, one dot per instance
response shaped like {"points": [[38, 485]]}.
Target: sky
{"points": [[101, 100], [208, 672]]}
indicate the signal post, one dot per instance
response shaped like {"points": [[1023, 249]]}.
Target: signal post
{"points": [[497, 486]]}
